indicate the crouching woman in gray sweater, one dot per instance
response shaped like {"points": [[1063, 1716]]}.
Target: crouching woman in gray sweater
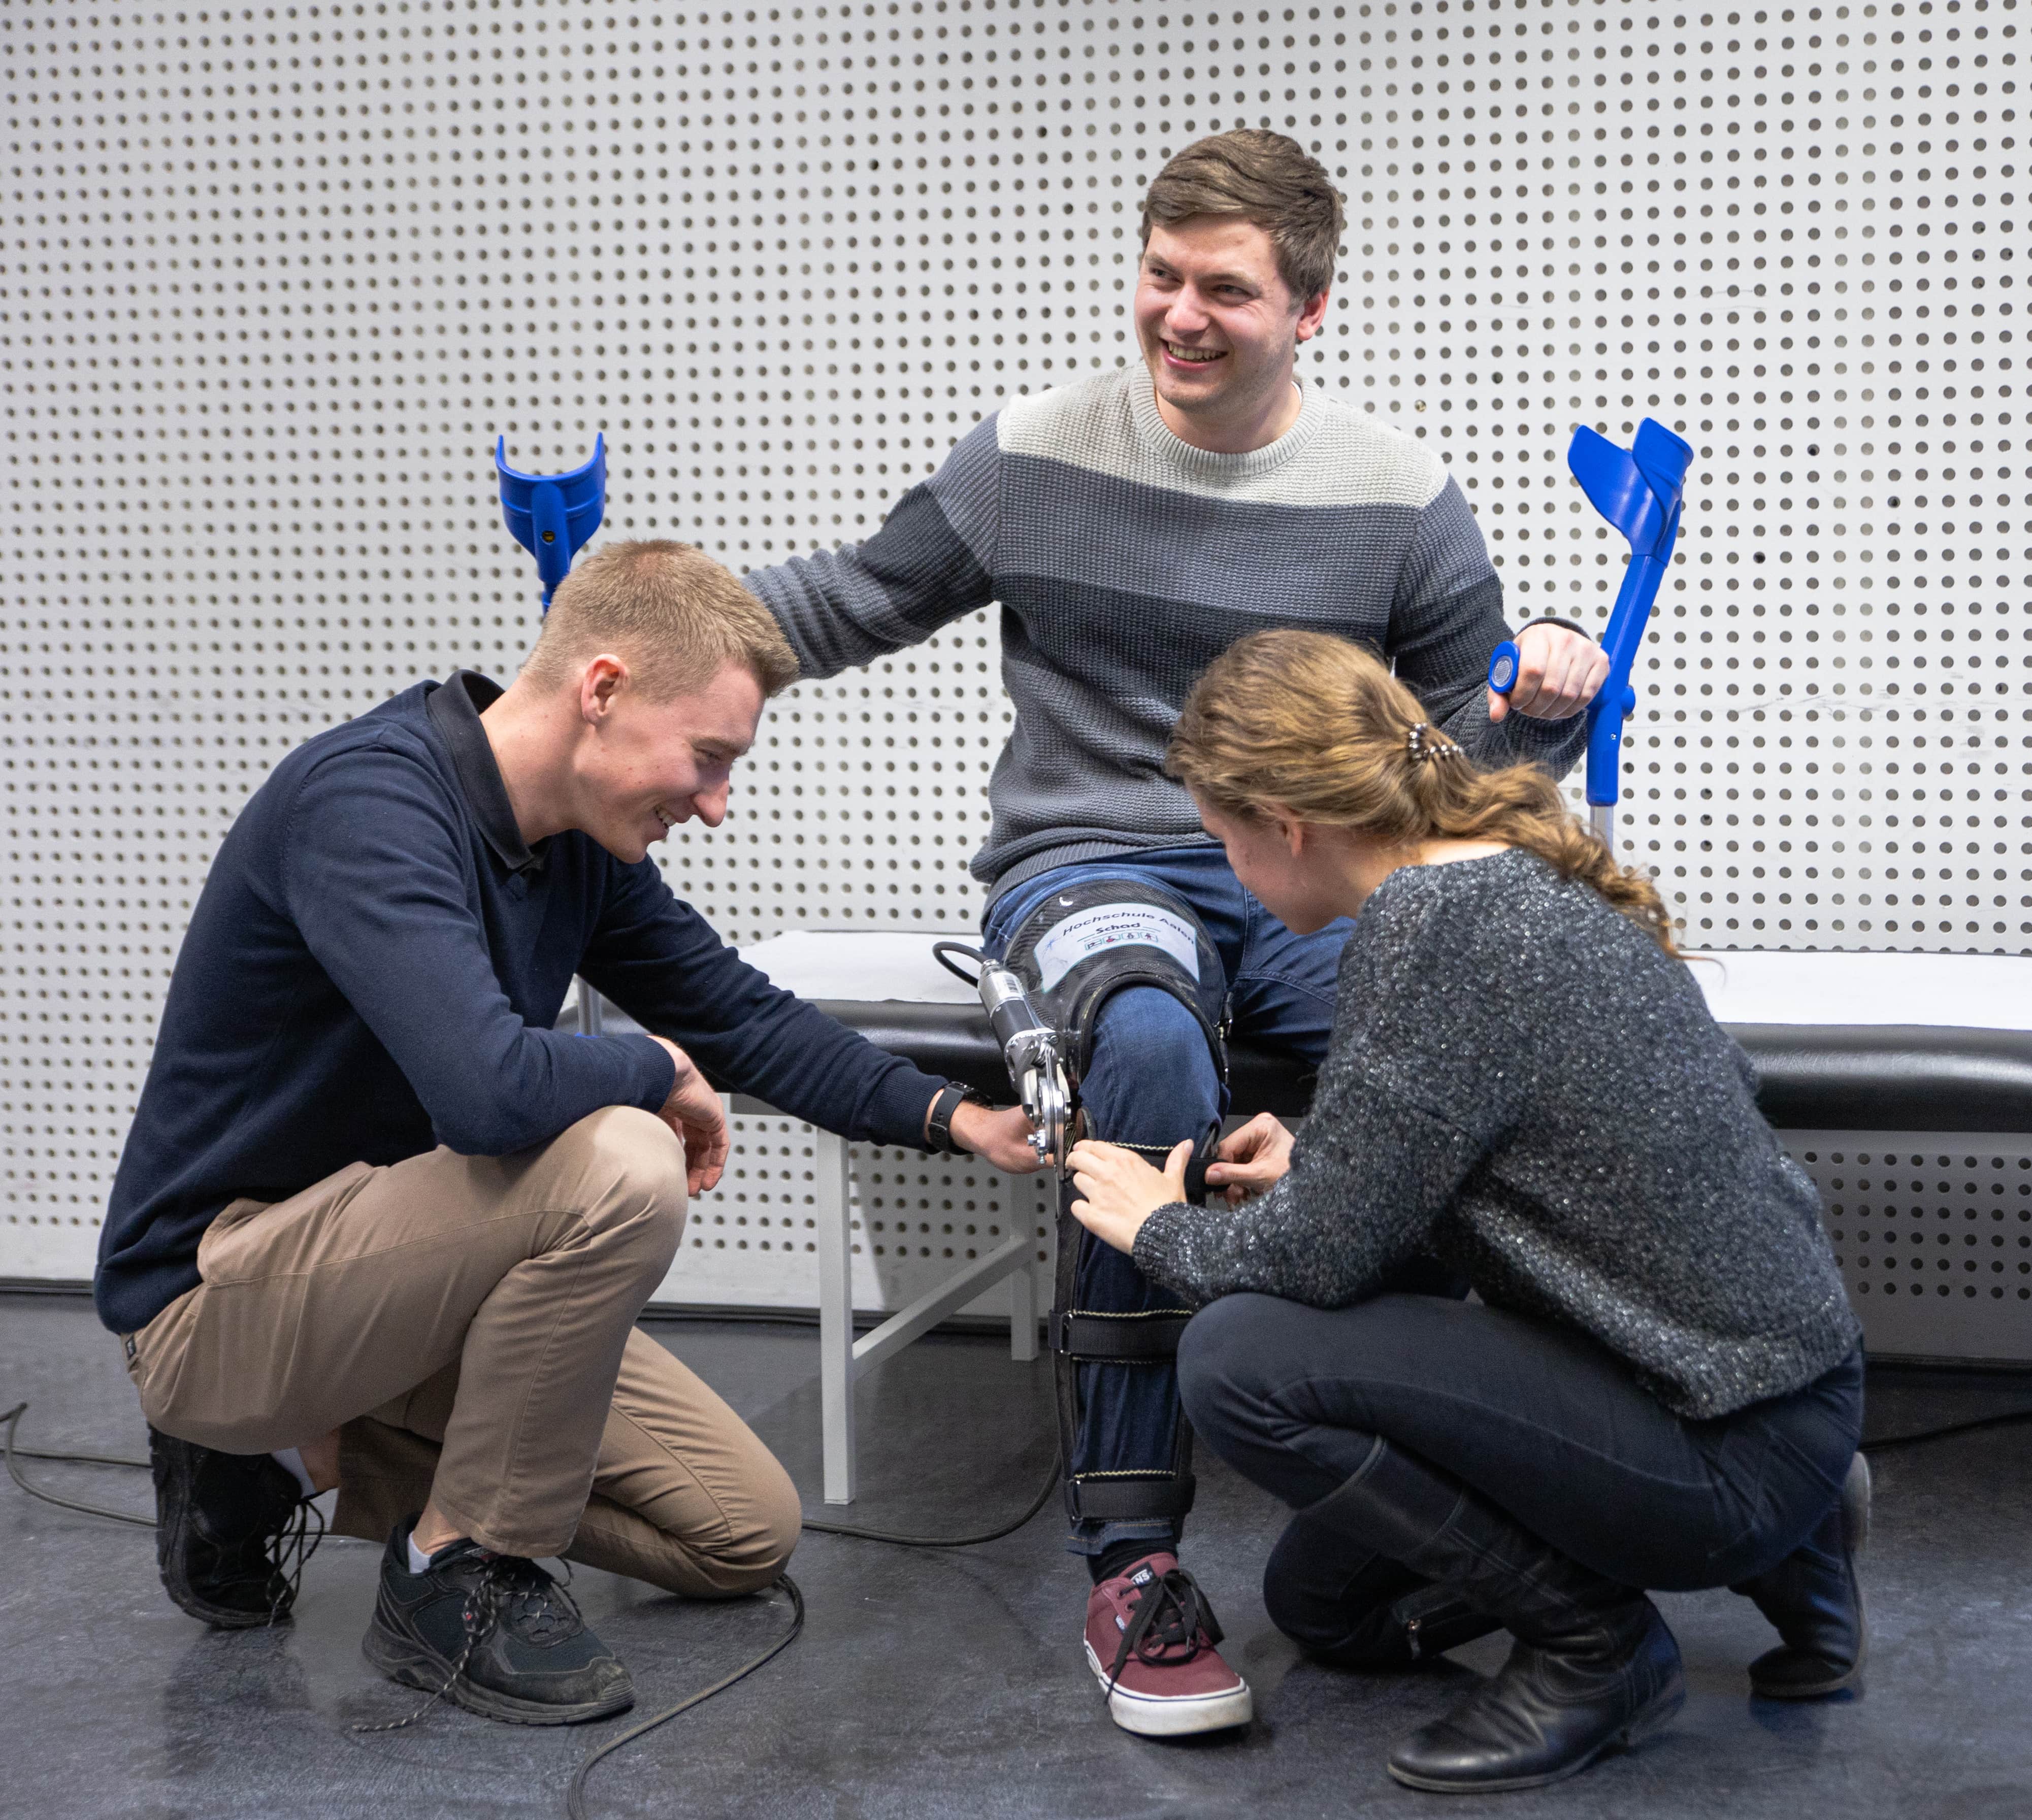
{"points": [[1660, 1386]]}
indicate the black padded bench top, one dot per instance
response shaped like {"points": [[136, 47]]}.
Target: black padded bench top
{"points": [[1816, 1077], [1891, 1077]]}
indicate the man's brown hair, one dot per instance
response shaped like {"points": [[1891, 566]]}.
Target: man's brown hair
{"points": [[669, 611], [1270, 182]]}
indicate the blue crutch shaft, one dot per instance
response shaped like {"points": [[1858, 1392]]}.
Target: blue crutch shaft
{"points": [[1616, 701], [1638, 491]]}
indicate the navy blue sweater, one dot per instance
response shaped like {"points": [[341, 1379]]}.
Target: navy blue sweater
{"points": [[373, 969]]}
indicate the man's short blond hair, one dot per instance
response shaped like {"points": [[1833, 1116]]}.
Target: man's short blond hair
{"points": [[668, 610]]}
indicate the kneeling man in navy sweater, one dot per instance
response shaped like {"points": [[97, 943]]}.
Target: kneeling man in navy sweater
{"points": [[378, 1224]]}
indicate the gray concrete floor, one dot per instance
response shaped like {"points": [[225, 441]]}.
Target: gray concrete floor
{"points": [[951, 1683]]}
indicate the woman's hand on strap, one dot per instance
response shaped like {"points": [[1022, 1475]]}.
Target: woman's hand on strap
{"points": [[694, 1113], [1252, 1159], [1122, 1191]]}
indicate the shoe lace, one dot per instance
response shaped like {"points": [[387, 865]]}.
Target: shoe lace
{"points": [[286, 1552], [1168, 1612], [530, 1602], [508, 1590]]}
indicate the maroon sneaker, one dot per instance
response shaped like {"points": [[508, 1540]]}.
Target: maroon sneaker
{"points": [[1150, 1637]]}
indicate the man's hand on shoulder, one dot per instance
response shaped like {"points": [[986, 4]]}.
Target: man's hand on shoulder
{"points": [[694, 1113], [1559, 672]]}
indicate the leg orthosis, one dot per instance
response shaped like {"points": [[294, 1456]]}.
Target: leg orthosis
{"points": [[1073, 951]]}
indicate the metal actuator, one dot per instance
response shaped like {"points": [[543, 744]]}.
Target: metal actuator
{"points": [[1030, 1049]]}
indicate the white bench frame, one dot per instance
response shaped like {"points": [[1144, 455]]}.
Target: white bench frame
{"points": [[842, 1359]]}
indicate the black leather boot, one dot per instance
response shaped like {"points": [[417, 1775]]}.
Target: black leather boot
{"points": [[1593, 1668], [1349, 1606], [1815, 1601], [1409, 1633], [1434, 1619]]}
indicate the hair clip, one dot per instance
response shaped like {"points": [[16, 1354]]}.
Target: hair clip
{"points": [[1423, 751]]}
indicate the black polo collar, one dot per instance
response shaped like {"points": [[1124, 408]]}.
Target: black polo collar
{"points": [[455, 709]]}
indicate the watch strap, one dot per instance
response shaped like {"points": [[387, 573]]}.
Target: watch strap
{"points": [[1554, 619], [939, 1126]]}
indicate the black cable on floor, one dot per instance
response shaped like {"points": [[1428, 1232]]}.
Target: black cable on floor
{"points": [[1036, 1504], [575, 1795], [13, 1419]]}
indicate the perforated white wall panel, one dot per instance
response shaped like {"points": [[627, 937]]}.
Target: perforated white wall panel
{"points": [[1933, 1232], [915, 1221], [276, 275]]}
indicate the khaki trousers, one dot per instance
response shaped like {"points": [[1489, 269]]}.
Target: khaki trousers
{"points": [[467, 1324]]}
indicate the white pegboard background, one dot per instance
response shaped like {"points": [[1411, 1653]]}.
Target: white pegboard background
{"points": [[1933, 1233], [915, 1221], [276, 275]]}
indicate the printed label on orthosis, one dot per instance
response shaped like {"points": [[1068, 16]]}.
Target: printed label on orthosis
{"points": [[1114, 926]]}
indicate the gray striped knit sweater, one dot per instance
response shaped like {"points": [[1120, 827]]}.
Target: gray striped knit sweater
{"points": [[1125, 561]]}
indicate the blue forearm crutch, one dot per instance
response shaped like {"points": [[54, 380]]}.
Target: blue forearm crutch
{"points": [[1638, 491], [552, 515]]}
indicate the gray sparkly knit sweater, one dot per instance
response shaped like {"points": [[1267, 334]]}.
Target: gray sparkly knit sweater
{"points": [[1125, 561], [1521, 1082]]}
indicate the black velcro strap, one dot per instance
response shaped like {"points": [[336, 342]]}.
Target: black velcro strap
{"points": [[1205, 1155], [1130, 1497], [1142, 1339]]}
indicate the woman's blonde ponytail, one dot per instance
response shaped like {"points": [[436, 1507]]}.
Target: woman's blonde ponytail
{"points": [[1317, 726]]}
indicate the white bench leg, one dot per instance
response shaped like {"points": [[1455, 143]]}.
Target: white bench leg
{"points": [[1023, 1316], [835, 1223], [1023, 1310]]}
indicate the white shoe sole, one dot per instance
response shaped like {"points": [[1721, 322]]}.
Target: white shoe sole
{"points": [[1173, 1718]]}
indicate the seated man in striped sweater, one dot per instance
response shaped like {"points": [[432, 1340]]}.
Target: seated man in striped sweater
{"points": [[1132, 525]]}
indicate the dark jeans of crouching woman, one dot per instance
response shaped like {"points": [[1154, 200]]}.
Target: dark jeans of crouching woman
{"points": [[1538, 1418]]}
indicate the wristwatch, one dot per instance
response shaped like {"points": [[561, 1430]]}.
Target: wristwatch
{"points": [[937, 1127], [1554, 619]]}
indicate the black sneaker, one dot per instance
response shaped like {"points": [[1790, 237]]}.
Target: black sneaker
{"points": [[230, 1532], [494, 1633]]}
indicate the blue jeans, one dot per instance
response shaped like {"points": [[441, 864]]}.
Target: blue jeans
{"points": [[1151, 1081]]}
